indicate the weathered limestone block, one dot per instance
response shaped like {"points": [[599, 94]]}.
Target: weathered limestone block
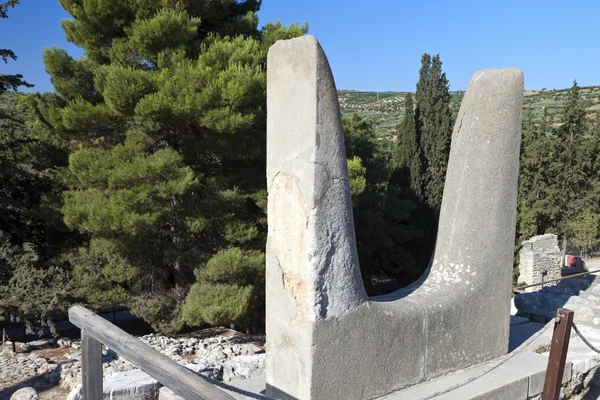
{"points": [[130, 385], [326, 339]]}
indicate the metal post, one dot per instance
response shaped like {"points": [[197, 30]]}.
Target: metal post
{"points": [[558, 354], [91, 366]]}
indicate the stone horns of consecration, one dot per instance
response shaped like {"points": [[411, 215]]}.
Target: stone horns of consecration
{"points": [[325, 338]]}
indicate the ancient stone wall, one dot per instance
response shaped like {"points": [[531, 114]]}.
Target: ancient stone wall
{"points": [[325, 338], [545, 252], [539, 253], [542, 244]]}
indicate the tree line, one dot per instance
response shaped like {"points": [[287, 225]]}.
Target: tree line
{"points": [[139, 181], [559, 179]]}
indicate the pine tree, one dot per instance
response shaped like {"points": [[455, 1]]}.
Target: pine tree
{"points": [[434, 128], [236, 275], [586, 230], [9, 82], [407, 155], [166, 117], [358, 181], [34, 281], [536, 211]]}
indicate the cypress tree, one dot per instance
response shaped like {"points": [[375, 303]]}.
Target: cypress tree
{"points": [[434, 129], [433, 125], [407, 155]]}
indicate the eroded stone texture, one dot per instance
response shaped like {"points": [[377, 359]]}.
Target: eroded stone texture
{"points": [[326, 339], [539, 252], [312, 264]]}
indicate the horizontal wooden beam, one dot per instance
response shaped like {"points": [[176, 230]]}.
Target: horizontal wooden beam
{"points": [[179, 379]]}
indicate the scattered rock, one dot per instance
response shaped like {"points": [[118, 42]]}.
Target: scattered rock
{"points": [[574, 294], [252, 349], [76, 393], [64, 342], [243, 366], [206, 356], [25, 394], [37, 344], [18, 368]]}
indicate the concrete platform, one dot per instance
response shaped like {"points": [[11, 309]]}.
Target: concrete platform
{"points": [[582, 358], [242, 389], [519, 378]]}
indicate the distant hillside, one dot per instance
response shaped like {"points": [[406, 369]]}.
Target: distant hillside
{"points": [[386, 108]]}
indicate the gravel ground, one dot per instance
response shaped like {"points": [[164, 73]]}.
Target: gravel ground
{"points": [[53, 371]]}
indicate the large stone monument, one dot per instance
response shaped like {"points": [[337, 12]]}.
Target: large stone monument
{"points": [[325, 338]]}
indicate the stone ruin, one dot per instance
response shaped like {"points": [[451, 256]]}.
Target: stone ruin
{"points": [[543, 253], [326, 338]]}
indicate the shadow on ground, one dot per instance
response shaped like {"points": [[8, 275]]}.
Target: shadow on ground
{"points": [[540, 307], [589, 389], [46, 381], [40, 383]]}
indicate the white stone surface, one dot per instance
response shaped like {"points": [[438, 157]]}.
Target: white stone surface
{"points": [[243, 367], [27, 393], [128, 385]]}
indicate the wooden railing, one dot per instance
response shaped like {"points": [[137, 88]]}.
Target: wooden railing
{"points": [[96, 331]]}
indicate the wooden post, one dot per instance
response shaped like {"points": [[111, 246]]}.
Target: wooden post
{"points": [[96, 330], [91, 366], [558, 354]]}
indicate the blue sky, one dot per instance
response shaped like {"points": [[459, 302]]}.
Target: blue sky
{"points": [[380, 43]]}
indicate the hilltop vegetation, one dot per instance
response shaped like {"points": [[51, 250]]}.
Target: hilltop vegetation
{"points": [[555, 101], [387, 108]]}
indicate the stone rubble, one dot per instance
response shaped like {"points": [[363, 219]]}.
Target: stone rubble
{"points": [[21, 367], [581, 295], [209, 354], [222, 357]]}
